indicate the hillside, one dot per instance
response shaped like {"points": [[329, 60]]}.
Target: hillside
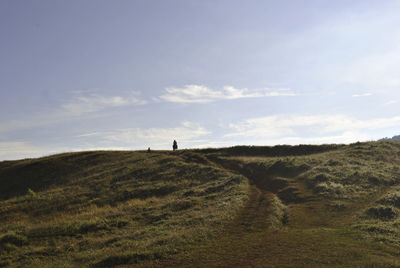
{"points": [[394, 138], [330, 205]]}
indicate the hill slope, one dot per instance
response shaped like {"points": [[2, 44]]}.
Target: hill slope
{"points": [[331, 205], [394, 138], [111, 207]]}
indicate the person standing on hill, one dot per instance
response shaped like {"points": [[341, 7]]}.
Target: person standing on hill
{"points": [[175, 145]]}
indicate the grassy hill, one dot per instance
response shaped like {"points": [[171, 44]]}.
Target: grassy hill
{"points": [[394, 138], [330, 205]]}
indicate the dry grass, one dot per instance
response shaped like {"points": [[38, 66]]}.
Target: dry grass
{"points": [[306, 206], [111, 205]]}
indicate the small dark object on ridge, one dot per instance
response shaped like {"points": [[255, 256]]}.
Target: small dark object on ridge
{"points": [[175, 145], [148, 150]]}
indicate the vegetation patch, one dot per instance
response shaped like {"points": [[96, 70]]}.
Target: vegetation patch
{"points": [[382, 212], [67, 229], [382, 231], [13, 238], [391, 199], [104, 203], [231, 207], [125, 259], [290, 195], [278, 213]]}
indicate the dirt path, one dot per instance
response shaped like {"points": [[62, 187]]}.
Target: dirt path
{"points": [[242, 242], [311, 236], [239, 240]]}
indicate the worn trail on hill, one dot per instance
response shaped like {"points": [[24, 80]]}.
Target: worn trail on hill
{"points": [[245, 240], [309, 235]]}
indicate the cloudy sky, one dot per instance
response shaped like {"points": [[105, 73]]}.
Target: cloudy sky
{"points": [[125, 74]]}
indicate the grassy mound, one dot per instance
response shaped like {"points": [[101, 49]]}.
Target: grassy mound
{"points": [[109, 208], [244, 206]]}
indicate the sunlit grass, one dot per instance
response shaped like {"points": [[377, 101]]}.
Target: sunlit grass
{"points": [[331, 205], [114, 204]]}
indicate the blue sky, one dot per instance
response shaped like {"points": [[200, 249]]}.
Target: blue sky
{"points": [[82, 75]]}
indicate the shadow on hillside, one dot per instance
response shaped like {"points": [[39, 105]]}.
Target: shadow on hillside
{"points": [[272, 151]]}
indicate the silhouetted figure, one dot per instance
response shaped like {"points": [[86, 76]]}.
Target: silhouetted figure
{"points": [[148, 150], [175, 145]]}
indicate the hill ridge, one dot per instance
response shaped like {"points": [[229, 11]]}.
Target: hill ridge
{"points": [[231, 207]]}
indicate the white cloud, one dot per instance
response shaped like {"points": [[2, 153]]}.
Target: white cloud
{"points": [[160, 138], [346, 137], [82, 104], [12, 150], [321, 127], [361, 95], [203, 94], [214, 143], [391, 102], [18, 150], [187, 135], [94, 102]]}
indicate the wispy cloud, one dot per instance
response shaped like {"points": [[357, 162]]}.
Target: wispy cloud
{"points": [[203, 94], [345, 137], [18, 149], [361, 95], [284, 126], [12, 150], [81, 104], [391, 102], [95, 102], [186, 133]]}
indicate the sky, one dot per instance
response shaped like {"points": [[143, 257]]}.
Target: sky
{"points": [[131, 74]]}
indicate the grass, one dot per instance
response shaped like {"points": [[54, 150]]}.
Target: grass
{"points": [[245, 206], [340, 208], [112, 207]]}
